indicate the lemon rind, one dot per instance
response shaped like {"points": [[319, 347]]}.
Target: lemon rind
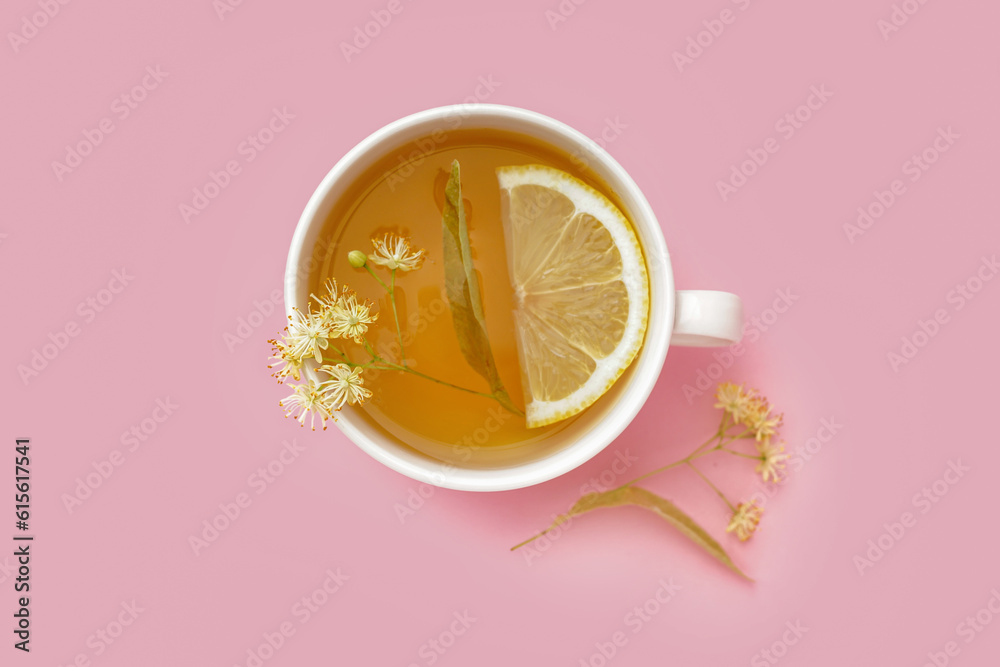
{"points": [[634, 276]]}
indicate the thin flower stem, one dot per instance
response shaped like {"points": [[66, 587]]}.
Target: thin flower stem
{"points": [[369, 270], [719, 434], [377, 363], [745, 433], [345, 360], [343, 356], [714, 487], [726, 439], [504, 400], [725, 423], [696, 454], [395, 316], [703, 445], [388, 365], [390, 289], [746, 456], [699, 451], [532, 539], [529, 540]]}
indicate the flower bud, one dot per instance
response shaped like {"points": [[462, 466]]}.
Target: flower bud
{"points": [[357, 259]]}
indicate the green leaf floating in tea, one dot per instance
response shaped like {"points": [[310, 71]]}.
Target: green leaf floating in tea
{"points": [[462, 288]]}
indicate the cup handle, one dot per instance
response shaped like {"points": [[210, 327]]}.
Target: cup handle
{"points": [[705, 318]]}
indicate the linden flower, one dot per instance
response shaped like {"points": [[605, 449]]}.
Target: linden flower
{"points": [[344, 386], [745, 520], [281, 354], [350, 319], [310, 400], [760, 420], [748, 408], [393, 252], [772, 461], [329, 300], [734, 399], [307, 336]]}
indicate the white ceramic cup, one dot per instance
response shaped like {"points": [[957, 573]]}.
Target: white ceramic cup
{"points": [[692, 318]]}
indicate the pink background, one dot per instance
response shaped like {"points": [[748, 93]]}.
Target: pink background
{"points": [[164, 336]]}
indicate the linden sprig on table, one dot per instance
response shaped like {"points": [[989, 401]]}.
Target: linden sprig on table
{"points": [[747, 417]]}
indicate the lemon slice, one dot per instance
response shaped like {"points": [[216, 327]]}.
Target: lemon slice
{"points": [[581, 292]]}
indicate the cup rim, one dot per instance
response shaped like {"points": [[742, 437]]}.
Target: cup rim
{"points": [[648, 364]]}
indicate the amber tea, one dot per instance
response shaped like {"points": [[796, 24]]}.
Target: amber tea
{"points": [[574, 331]]}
